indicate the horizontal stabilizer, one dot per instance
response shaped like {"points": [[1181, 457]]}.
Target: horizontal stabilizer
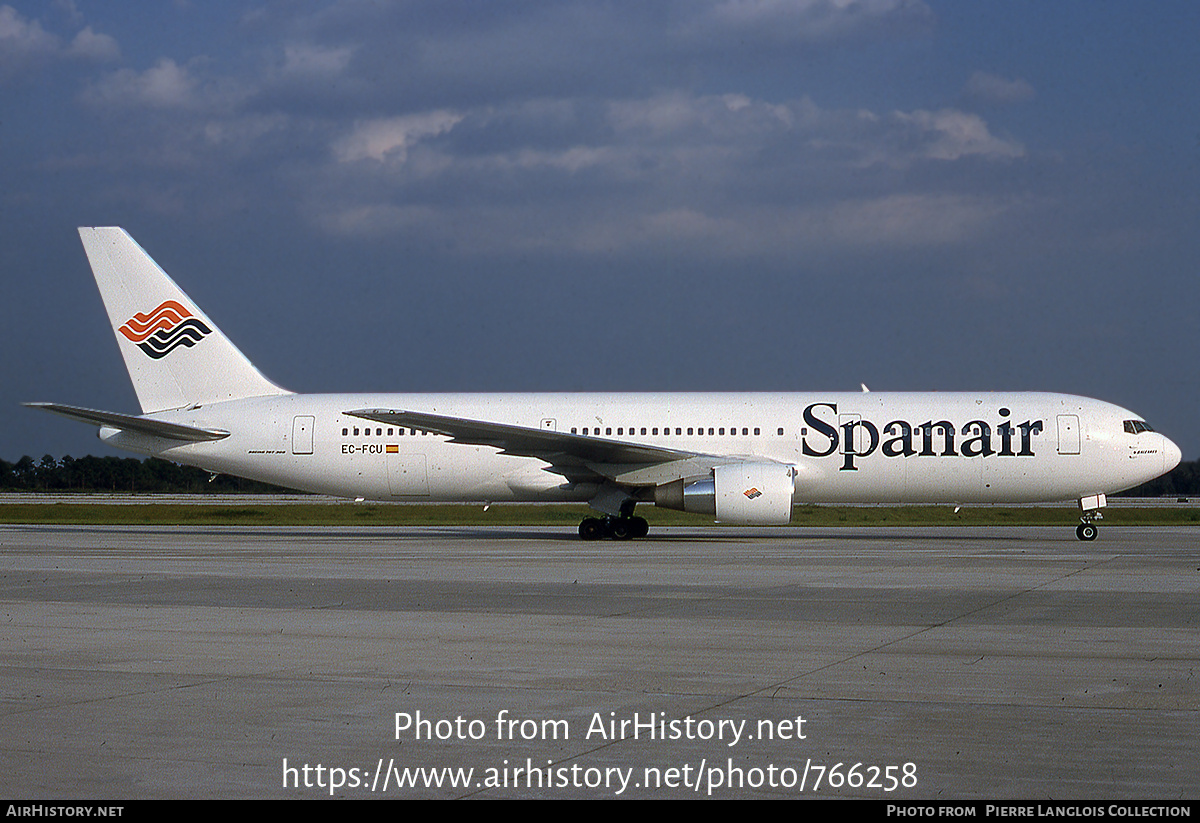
{"points": [[141, 425]]}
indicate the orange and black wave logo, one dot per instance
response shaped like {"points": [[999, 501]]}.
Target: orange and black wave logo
{"points": [[167, 327]]}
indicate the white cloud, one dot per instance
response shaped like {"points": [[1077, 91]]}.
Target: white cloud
{"points": [[725, 174], [165, 85], [573, 159], [679, 115], [23, 42], [25, 45], [951, 135], [806, 20], [92, 46], [739, 126], [389, 139]]}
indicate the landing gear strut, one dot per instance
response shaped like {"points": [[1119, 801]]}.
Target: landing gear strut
{"points": [[1090, 513], [622, 527]]}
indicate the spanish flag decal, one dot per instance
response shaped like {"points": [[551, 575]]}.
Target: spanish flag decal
{"points": [[393, 449]]}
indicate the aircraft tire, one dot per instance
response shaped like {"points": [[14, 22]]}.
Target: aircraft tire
{"points": [[591, 529], [620, 528], [640, 527], [1086, 531]]}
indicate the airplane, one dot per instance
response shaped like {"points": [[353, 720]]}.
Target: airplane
{"points": [[742, 458]]}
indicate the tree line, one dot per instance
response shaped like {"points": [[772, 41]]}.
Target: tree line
{"points": [[129, 474], [1181, 481], [120, 474]]}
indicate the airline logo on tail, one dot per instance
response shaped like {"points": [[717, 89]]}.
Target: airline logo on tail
{"points": [[167, 327]]}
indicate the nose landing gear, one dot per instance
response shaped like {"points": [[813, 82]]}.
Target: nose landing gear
{"points": [[1089, 508]]}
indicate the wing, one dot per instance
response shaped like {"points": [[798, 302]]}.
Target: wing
{"points": [[126, 422], [575, 457]]}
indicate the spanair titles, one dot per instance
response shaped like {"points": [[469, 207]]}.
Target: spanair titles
{"points": [[853, 437]]}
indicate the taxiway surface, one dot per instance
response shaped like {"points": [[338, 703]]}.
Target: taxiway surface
{"points": [[276, 662]]}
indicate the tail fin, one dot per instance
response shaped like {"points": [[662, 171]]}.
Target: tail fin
{"points": [[175, 355]]}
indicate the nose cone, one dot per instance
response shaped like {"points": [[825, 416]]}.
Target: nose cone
{"points": [[1171, 455]]}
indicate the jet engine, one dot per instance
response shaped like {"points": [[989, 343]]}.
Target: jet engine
{"points": [[758, 494]]}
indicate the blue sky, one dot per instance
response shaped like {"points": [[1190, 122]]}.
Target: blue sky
{"points": [[700, 195]]}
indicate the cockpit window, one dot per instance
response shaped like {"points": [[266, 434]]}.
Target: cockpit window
{"points": [[1137, 427]]}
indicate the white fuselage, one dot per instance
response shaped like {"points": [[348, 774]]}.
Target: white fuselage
{"points": [[844, 447]]}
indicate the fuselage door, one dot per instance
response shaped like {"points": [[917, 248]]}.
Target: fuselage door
{"points": [[1068, 434], [407, 474], [302, 434]]}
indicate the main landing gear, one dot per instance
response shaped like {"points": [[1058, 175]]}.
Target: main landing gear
{"points": [[621, 527], [616, 528]]}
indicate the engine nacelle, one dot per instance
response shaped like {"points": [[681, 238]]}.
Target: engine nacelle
{"points": [[758, 494]]}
